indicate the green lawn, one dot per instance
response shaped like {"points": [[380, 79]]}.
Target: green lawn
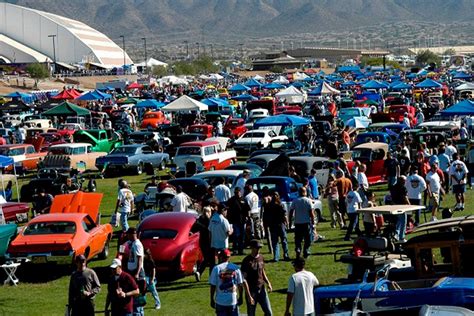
{"points": [[182, 297]]}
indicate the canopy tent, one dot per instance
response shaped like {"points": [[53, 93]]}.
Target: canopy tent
{"points": [[215, 102], [402, 86], [15, 107], [128, 100], [102, 94], [291, 95], [428, 83], [411, 75], [252, 83], [324, 88], [462, 75], [6, 161], [89, 96], [299, 84], [135, 85], [298, 76], [465, 86], [67, 109], [150, 103], [185, 104], [282, 120], [374, 84], [273, 85], [173, 80], [25, 97], [462, 108], [152, 62], [66, 94], [349, 83], [215, 77], [244, 97], [348, 69], [239, 88], [258, 77], [281, 80]]}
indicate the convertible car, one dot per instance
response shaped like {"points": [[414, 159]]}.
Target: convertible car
{"points": [[71, 228], [174, 247]]}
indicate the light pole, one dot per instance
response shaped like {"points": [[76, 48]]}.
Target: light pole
{"points": [[187, 49], [53, 36], [123, 48], [146, 56]]}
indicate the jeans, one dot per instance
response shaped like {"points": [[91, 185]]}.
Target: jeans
{"points": [[401, 226], [232, 310], [353, 225], [392, 180], [260, 296], [238, 237], [138, 311], [279, 233], [151, 287], [82, 308], [124, 221], [302, 232], [417, 212]]}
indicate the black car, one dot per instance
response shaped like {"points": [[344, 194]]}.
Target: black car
{"points": [[255, 170], [194, 187]]}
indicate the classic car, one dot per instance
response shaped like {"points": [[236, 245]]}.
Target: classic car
{"points": [[376, 297], [204, 129], [278, 146], [102, 140], [213, 177], [51, 138], [174, 247], [206, 155], [194, 187], [71, 228], [303, 166], [373, 155], [256, 139], [254, 169], [132, 157], [262, 160], [15, 212], [234, 127], [378, 137], [288, 109], [67, 130], [178, 138], [257, 114], [51, 180], [154, 119], [7, 234], [394, 128], [24, 156], [362, 114], [66, 157], [267, 104], [396, 113]]}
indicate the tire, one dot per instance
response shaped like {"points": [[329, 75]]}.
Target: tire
{"points": [[105, 251], [139, 168]]}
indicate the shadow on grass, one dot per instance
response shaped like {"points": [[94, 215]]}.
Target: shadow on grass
{"points": [[44, 272]]}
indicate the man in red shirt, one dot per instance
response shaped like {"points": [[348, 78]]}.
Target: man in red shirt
{"points": [[346, 139], [121, 290]]}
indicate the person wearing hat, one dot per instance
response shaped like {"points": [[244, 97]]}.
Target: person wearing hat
{"points": [[227, 286], [253, 270], [84, 285], [125, 204], [300, 290], [121, 290]]}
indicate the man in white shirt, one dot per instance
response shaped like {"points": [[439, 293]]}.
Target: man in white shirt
{"points": [[415, 185], [450, 149], [181, 201], [363, 182], [136, 256], [458, 175], [300, 290], [433, 182], [124, 204], [222, 191], [220, 230], [243, 180], [251, 198]]}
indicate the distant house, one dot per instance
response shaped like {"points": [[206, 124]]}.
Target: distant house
{"points": [[269, 60]]}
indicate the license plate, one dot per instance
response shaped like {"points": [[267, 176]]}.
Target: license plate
{"points": [[39, 259]]}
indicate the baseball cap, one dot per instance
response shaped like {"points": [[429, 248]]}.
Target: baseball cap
{"points": [[255, 243], [116, 263], [132, 230], [81, 258], [225, 253]]}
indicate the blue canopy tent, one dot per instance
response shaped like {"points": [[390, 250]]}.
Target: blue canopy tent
{"points": [[25, 97], [349, 83], [411, 75], [348, 69], [6, 161], [465, 107], [273, 86], [102, 94], [239, 88], [374, 84], [150, 103], [298, 84], [252, 83], [89, 96], [462, 75], [282, 120], [244, 97], [309, 79], [428, 83], [402, 86]]}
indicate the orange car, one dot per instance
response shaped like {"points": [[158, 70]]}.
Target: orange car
{"points": [[24, 155], [154, 119], [71, 228]]}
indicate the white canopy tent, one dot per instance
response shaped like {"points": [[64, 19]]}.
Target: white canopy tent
{"points": [[291, 95], [281, 80], [465, 86], [184, 104], [152, 63], [327, 89], [258, 77], [298, 76], [173, 80]]}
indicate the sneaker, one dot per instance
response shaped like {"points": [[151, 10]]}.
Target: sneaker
{"points": [[157, 306], [286, 258], [433, 218], [319, 238], [197, 275]]}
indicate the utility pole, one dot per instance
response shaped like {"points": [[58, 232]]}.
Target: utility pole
{"points": [[123, 47], [241, 50], [198, 51], [187, 49], [53, 36], [212, 51], [146, 56]]}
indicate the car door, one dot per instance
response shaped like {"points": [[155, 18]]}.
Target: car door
{"points": [[212, 157], [322, 172], [95, 239]]}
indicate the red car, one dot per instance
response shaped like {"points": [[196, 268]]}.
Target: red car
{"points": [[15, 212], [204, 129], [234, 127], [71, 228], [373, 155], [174, 247], [288, 109]]}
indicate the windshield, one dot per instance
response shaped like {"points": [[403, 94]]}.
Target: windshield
{"points": [[124, 150], [4, 152], [60, 150], [158, 234], [254, 135], [350, 112], [47, 228], [361, 154], [182, 151]]}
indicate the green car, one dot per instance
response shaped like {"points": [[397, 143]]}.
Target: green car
{"points": [[101, 140], [7, 233]]}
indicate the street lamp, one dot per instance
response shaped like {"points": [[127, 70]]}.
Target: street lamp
{"points": [[123, 48], [146, 57], [53, 36]]}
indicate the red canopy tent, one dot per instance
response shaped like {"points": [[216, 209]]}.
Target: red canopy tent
{"points": [[135, 85], [68, 94]]}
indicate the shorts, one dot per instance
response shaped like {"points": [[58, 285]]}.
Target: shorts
{"points": [[434, 200], [459, 188]]}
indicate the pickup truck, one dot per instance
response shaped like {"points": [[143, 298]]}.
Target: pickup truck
{"points": [[133, 157], [24, 155], [102, 140], [67, 157]]}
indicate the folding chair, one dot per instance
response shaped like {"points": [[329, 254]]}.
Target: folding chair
{"points": [[10, 268]]}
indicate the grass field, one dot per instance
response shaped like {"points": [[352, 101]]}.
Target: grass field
{"points": [[43, 290]]}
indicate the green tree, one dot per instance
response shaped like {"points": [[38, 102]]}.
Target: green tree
{"points": [[38, 72], [159, 71], [426, 57], [184, 68], [277, 69], [205, 64], [449, 52]]}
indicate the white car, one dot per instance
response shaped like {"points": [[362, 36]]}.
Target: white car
{"points": [[256, 139], [213, 177], [257, 114]]}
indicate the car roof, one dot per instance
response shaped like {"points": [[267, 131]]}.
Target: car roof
{"points": [[200, 143], [268, 178], [71, 145], [390, 209], [308, 158], [58, 217], [133, 145], [447, 222], [15, 145], [217, 173], [373, 145], [168, 220]]}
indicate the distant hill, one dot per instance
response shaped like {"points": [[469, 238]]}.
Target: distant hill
{"points": [[242, 18]]}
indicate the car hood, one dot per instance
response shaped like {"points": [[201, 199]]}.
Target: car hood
{"points": [[80, 202]]}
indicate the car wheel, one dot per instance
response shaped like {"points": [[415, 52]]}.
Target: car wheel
{"points": [[140, 168], [105, 251]]}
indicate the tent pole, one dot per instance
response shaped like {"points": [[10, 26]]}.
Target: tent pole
{"points": [[16, 181], [3, 186]]}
